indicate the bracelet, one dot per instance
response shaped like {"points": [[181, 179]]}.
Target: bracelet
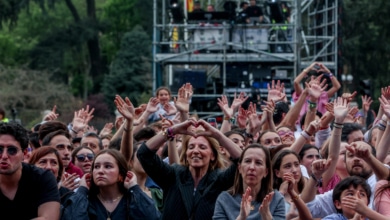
{"points": [[312, 104], [306, 135], [381, 126], [170, 134], [319, 181], [295, 198], [330, 75], [338, 125]]}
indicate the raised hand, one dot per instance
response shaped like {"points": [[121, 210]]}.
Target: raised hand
{"points": [[69, 181], [318, 167], [169, 109], [224, 105], [241, 117], [264, 208], [385, 105], [386, 92], [329, 107], [107, 129], [238, 100], [315, 88], [340, 109], [246, 203], [125, 107], [90, 129], [81, 118], [254, 122], [313, 127], [86, 180], [139, 110], [348, 96], [182, 102], [130, 180], [51, 116], [275, 92], [366, 103], [360, 149], [152, 105]]}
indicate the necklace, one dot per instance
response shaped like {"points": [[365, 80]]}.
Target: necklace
{"points": [[109, 201], [108, 215]]}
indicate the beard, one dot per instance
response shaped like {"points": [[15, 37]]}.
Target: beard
{"points": [[363, 173]]}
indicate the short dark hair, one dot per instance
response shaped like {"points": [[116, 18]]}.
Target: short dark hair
{"points": [[93, 134], [344, 184], [348, 128], [43, 151], [280, 109], [17, 131], [49, 127], [47, 139], [305, 148], [144, 134]]}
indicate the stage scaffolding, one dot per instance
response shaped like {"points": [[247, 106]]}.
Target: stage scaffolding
{"points": [[220, 47]]}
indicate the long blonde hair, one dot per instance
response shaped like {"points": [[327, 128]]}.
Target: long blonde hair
{"points": [[217, 163]]}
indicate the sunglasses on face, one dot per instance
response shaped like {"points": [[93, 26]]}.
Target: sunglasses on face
{"points": [[11, 151], [81, 157]]}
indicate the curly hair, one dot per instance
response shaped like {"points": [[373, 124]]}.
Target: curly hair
{"points": [[17, 131]]}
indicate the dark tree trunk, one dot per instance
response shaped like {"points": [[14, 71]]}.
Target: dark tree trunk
{"points": [[93, 43]]}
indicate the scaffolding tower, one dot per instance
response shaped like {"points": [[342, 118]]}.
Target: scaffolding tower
{"points": [[222, 56]]}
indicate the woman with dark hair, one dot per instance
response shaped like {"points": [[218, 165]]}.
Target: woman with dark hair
{"points": [[110, 191], [270, 138], [82, 158], [286, 166], [251, 196], [307, 155], [48, 158], [191, 188]]}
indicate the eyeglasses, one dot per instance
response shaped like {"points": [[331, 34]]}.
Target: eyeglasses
{"points": [[284, 133], [81, 157], [11, 150]]}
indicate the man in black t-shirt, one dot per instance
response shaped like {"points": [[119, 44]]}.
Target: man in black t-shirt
{"points": [[26, 192], [254, 11]]}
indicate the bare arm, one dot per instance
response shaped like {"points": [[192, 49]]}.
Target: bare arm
{"points": [[293, 114], [49, 210], [126, 108], [340, 112]]}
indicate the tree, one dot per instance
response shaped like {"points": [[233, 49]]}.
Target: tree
{"points": [[130, 70]]}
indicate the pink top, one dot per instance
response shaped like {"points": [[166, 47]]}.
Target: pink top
{"points": [[332, 183], [321, 103], [382, 201]]}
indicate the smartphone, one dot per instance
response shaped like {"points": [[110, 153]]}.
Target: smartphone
{"points": [[212, 122]]}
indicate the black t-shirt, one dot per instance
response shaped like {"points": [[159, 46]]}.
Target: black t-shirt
{"points": [[253, 11], [36, 186]]}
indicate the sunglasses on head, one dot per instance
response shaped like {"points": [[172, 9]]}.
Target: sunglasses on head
{"points": [[81, 157], [12, 151]]}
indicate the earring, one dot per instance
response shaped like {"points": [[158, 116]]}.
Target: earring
{"points": [[120, 179]]}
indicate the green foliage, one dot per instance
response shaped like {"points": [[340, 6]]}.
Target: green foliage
{"points": [[31, 92], [130, 70], [367, 41]]}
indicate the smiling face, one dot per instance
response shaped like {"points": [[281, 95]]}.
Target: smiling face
{"points": [[199, 153], [105, 171], [49, 162], [163, 96], [286, 135], [253, 167], [83, 160]]}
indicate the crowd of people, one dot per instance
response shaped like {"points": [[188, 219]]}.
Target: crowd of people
{"points": [[316, 159]]}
